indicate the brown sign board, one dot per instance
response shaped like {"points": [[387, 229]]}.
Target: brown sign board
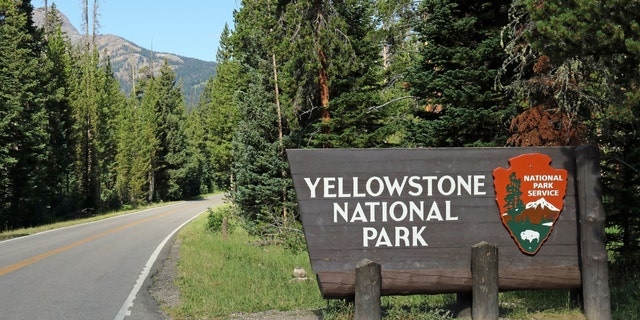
{"points": [[418, 212]]}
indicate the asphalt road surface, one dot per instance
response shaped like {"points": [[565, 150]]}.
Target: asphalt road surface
{"points": [[91, 271]]}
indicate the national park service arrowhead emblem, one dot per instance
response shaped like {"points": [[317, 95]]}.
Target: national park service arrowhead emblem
{"points": [[530, 196]]}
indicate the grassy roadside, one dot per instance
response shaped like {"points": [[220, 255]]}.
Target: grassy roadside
{"points": [[219, 278]]}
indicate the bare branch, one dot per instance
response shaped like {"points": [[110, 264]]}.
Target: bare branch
{"points": [[390, 102]]}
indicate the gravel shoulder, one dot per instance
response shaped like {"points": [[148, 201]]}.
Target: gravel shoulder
{"points": [[167, 295], [162, 288]]}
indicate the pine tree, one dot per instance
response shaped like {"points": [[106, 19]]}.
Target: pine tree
{"points": [[85, 117], [200, 179], [218, 114], [454, 76], [355, 73], [513, 202], [60, 123], [126, 152], [257, 150], [258, 163], [110, 102], [23, 128], [172, 155], [395, 20], [145, 145], [162, 164], [315, 78], [330, 72]]}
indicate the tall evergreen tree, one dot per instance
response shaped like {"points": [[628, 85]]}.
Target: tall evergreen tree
{"points": [[84, 100], [395, 20], [258, 164], [330, 71], [61, 145], [172, 173], [23, 128], [110, 102], [161, 167], [255, 162], [354, 67], [144, 154], [126, 152], [218, 114], [314, 65], [454, 76]]}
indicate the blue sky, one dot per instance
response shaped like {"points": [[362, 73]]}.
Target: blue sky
{"points": [[189, 28]]}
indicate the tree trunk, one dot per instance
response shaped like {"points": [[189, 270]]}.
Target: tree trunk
{"points": [[280, 135], [324, 86], [94, 27], [85, 23], [275, 80], [323, 78]]}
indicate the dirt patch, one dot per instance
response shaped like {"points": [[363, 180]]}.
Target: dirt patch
{"points": [[167, 295]]}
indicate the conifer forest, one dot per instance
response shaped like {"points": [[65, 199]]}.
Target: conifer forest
{"points": [[318, 74]]}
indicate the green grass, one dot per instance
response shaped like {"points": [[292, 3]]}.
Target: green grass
{"points": [[539, 305], [626, 300], [220, 277]]}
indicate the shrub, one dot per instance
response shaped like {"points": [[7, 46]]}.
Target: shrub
{"points": [[293, 238], [216, 217]]}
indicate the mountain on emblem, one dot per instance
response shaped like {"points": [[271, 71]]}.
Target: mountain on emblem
{"points": [[543, 204], [530, 196]]}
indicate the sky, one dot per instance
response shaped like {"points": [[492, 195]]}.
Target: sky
{"points": [[189, 28]]}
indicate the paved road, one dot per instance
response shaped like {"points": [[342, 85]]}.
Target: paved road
{"points": [[91, 271]]}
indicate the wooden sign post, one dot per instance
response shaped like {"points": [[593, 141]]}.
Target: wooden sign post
{"points": [[484, 271], [417, 213]]}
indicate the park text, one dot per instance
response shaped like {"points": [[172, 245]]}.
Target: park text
{"points": [[402, 204]]}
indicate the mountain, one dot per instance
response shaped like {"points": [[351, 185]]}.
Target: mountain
{"points": [[129, 60], [538, 212], [541, 204]]}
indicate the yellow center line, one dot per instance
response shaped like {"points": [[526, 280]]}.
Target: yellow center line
{"points": [[42, 256]]}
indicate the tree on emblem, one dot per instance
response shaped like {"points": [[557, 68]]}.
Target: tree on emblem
{"points": [[514, 204]]}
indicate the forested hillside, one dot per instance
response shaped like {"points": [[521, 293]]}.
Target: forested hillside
{"points": [[320, 74], [129, 60]]}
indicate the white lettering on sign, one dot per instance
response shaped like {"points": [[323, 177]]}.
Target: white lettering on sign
{"points": [[543, 185], [414, 186], [543, 193], [543, 177], [312, 186], [419, 211], [400, 237], [391, 212]]}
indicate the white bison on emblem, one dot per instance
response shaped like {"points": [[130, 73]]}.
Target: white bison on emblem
{"points": [[530, 235]]}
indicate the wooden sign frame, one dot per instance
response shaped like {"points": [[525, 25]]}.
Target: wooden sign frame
{"points": [[418, 212]]}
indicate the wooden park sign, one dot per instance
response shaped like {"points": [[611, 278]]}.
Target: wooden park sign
{"points": [[418, 212]]}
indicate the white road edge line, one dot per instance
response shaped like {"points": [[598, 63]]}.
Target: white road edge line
{"points": [[125, 310]]}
